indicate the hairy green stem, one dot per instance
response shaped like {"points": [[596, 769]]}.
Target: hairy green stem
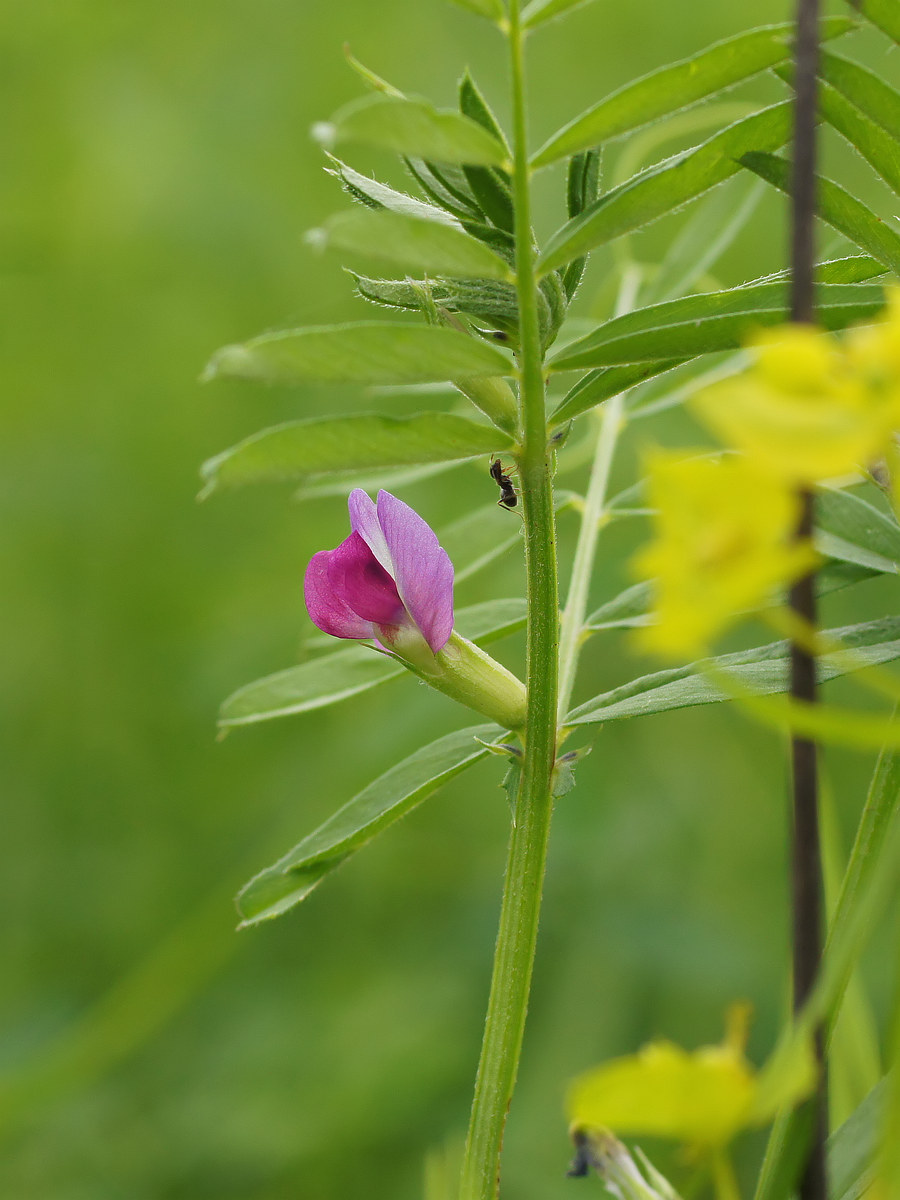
{"points": [[572, 629], [517, 935]]}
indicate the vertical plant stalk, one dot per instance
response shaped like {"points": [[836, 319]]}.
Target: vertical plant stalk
{"points": [[806, 856], [572, 626], [517, 935]]}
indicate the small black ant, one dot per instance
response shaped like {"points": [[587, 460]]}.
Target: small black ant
{"points": [[508, 497]]}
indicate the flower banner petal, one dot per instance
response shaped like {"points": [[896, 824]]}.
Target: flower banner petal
{"points": [[422, 569]]}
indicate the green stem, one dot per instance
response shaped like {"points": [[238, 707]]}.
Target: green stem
{"points": [[517, 935], [573, 616]]}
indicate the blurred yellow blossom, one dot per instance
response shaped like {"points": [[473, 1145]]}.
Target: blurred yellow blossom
{"points": [[805, 410], [702, 1097], [723, 541]]}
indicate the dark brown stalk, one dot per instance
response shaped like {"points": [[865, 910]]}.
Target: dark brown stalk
{"points": [[806, 858]]}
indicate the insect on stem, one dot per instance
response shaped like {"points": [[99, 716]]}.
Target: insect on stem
{"points": [[508, 496]]}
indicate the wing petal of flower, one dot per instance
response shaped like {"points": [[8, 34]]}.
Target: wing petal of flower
{"points": [[329, 611]]}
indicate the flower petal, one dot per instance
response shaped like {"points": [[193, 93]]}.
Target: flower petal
{"points": [[364, 521], [327, 610], [422, 570], [360, 581]]}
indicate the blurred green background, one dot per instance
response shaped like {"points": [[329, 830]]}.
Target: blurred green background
{"points": [[156, 179]]}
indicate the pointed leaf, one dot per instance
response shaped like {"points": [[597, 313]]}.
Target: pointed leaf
{"points": [[883, 13], [877, 146], [867, 91], [763, 670], [837, 207], [413, 128], [857, 524], [607, 381], [382, 803], [364, 352], [710, 322], [422, 246], [678, 86], [490, 186], [353, 669], [852, 1149], [299, 449], [378, 195], [667, 186]]}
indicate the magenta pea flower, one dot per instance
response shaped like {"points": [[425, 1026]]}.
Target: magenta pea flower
{"points": [[390, 577], [391, 582]]}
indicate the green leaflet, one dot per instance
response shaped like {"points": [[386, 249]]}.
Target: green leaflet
{"points": [[763, 670], [431, 247], [836, 206], [299, 449], [852, 1149], [489, 185], [706, 323], [362, 352], [678, 86], [854, 522], [378, 195], [667, 186], [871, 95], [382, 803], [411, 127], [877, 146], [491, 9], [540, 11], [607, 381], [582, 189], [883, 13], [352, 669]]}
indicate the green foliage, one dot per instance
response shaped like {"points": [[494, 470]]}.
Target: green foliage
{"points": [[681, 329], [411, 127], [837, 207], [667, 186], [882, 13], [675, 87], [364, 352], [865, 90], [382, 803], [317, 446], [762, 670], [599, 385], [426, 246]]}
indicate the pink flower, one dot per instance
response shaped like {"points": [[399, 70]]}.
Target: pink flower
{"points": [[389, 578]]}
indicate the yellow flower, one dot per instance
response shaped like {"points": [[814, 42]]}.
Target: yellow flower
{"points": [[702, 1097], [873, 353], [806, 410], [723, 542]]}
